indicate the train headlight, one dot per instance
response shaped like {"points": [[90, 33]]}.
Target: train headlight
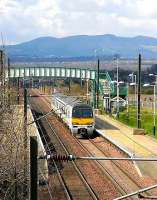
{"points": [[75, 123], [91, 123]]}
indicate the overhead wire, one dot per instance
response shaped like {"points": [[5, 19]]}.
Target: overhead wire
{"points": [[49, 153], [47, 184], [137, 158], [50, 112]]}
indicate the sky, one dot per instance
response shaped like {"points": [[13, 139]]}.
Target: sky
{"points": [[24, 20]]}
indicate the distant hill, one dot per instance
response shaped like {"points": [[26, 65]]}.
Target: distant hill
{"points": [[84, 46]]}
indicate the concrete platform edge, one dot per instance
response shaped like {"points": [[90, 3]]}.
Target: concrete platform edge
{"points": [[121, 148], [112, 141]]}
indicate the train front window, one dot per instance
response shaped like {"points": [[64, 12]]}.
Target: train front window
{"points": [[82, 113], [87, 113], [76, 113]]}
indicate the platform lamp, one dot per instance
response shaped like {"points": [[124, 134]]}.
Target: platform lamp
{"points": [[117, 65], [155, 75], [154, 111], [117, 85], [117, 100], [133, 83]]}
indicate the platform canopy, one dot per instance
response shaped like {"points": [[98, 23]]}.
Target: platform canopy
{"points": [[60, 72]]}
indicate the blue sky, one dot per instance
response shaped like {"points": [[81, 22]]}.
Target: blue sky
{"points": [[23, 20]]}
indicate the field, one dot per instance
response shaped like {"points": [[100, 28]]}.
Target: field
{"points": [[147, 118]]}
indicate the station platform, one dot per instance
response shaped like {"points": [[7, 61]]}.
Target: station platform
{"points": [[134, 145]]}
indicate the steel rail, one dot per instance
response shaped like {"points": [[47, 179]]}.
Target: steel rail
{"points": [[45, 150], [62, 181], [94, 196], [99, 164], [115, 158], [107, 173], [137, 192], [129, 159], [124, 159], [50, 195], [130, 138]]}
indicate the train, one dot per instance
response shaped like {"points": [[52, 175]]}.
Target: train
{"points": [[78, 116]]}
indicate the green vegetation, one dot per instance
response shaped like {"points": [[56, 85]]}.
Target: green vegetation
{"points": [[146, 119]]}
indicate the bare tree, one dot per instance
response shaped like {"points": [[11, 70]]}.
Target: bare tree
{"points": [[12, 165]]}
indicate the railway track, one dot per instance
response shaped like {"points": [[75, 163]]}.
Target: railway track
{"points": [[73, 183], [106, 169], [125, 178], [119, 170], [50, 149], [124, 182]]}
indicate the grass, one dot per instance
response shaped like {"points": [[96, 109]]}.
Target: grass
{"points": [[146, 119]]}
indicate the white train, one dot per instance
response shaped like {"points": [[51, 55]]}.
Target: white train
{"points": [[78, 116]]}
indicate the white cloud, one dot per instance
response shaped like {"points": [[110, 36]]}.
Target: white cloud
{"points": [[22, 20], [147, 8]]}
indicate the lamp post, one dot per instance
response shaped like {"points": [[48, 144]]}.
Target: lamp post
{"points": [[98, 84], [154, 111], [87, 91], [117, 97], [155, 75], [133, 83], [117, 87], [127, 100]]}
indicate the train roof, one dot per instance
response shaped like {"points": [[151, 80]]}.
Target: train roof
{"points": [[83, 105], [69, 100]]}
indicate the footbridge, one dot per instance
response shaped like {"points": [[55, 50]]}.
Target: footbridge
{"points": [[106, 83], [58, 72], [107, 87]]}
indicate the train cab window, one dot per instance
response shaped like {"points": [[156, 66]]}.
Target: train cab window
{"points": [[76, 112], [82, 112], [87, 113]]}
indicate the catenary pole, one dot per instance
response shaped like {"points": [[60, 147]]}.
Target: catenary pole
{"points": [[98, 73], [33, 167], [25, 139], [139, 94]]}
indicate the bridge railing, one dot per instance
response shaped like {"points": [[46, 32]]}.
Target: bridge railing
{"points": [[52, 72]]}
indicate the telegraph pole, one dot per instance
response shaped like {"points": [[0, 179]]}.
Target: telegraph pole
{"points": [[139, 94], [18, 90], [25, 141], [33, 167], [1, 67], [2, 79], [9, 100], [117, 89], [69, 84], [98, 72]]}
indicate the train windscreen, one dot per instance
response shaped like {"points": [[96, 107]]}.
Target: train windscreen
{"points": [[82, 112]]}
